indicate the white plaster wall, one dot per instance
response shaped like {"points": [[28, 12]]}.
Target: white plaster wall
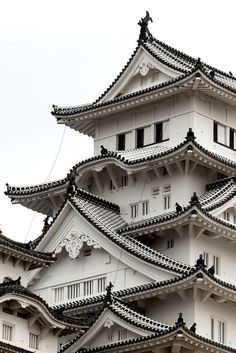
{"points": [[218, 247], [168, 309], [21, 334], [223, 312], [8, 269], [184, 111], [182, 188], [66, 271]]}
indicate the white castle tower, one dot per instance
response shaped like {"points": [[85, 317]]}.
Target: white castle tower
{"points": [[144, 232]]}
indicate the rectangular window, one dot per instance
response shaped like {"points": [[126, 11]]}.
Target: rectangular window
{"points": [[59, 295], [121, 142], [226, 216], [206, 258], [167, 188], [134, 211], [216, 263], [215, 132], [124, 181], [33, 341], [122, 335], [73, 291], [221, 331], [167, 202], [231, 138], [145, 207], [101, 282], [140, 138], [7, 332], [88, 288], [218, 330], [162, 131], [170, 243]]}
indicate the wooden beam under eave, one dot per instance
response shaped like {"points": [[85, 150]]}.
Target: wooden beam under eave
{"points": [[131, 179], [182, 294], [186, 166], [98, 182], [199, 231], [180, 231], [193, 167], [157, 173], [180, 167], [33, 319], [112, 177], [205, 296], [168, 169]]}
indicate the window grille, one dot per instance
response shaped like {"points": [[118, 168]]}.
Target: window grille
{"points": [[206, 258], [145, 207], [218, 330], [156, 191], [88, 288], [122, 335], [124, 181], [216, 263], [59, 294], [170, 243], [134, 211], [33, 341], [7, 332], [101, 282], [167, 202], [73, 291], [167, 188]]}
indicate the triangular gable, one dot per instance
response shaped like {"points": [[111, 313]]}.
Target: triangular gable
{"points": [[143, 71], [108, 328], [71, 232]]}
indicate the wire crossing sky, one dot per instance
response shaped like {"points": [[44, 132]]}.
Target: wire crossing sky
{"points": [[68, 53]]}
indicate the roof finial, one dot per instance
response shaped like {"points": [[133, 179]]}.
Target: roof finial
{"points": [[71, 188], [198, 63], [180, 320], [200, 263], [108, 297], [193, 328], [194, 199], [190, 135], [144, 31]]}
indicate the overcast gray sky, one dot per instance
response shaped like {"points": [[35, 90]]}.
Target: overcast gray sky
{"points": [[67, 53]]}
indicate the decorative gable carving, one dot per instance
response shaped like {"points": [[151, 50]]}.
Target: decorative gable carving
{"points": [[73, 243]]}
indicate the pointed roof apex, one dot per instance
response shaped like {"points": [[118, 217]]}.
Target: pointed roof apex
{"points": [[144, 31]]}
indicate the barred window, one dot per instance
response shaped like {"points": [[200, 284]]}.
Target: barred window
{"points": [[7, 332], [101, 282], [33, 340], [73, 291], [88, 288], [59, 294]]}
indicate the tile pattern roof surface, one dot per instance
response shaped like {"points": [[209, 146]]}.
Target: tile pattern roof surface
{"points": [[6, 288], [127, 157], [8, 348], [124, 311], [167, 55]]}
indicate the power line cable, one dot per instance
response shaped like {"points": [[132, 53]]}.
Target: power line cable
{"points": [[50, 172]]}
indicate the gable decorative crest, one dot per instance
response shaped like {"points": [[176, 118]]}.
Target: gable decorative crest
{"points": [[73, 243], [108, 323]]}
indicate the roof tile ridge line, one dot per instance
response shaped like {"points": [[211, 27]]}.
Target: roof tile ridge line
{"points": [[219, 281], [173, 53], [136, 313], [147, 222], [75, 339], [216, 219], [129, 95], [175, 329], [124, 318], [176, 51], [94, 198], [172, 66], [119, 75], [191, 58], [38, 240], [220, 182], [218, 157], [219, 203], [123, 245], [25, 292], [58, 182], [137, 340]]}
